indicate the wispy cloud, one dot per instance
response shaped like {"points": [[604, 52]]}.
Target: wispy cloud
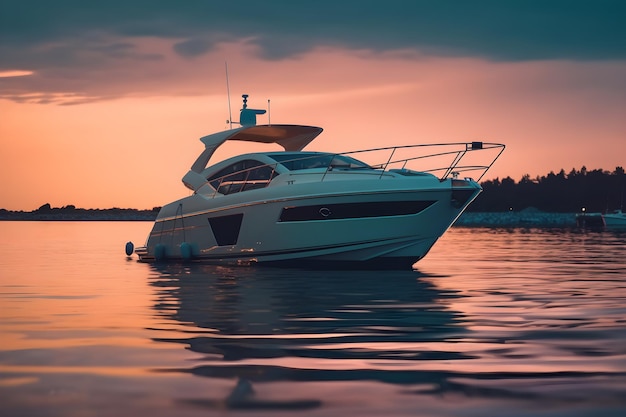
{"points": [[15, 73]]}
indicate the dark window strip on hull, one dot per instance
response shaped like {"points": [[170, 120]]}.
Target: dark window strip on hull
{"points": [[352, 210]]}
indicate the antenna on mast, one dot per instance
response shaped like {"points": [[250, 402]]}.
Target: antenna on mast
{"points": [[230, 115]]}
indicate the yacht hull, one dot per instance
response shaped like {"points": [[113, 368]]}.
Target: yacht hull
{"points": [[319, 227]]}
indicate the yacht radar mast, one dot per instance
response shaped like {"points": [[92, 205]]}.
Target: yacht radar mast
{"points": [[247, 117]]}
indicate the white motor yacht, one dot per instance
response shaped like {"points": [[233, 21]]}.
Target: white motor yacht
{"points": [[316, 209]]}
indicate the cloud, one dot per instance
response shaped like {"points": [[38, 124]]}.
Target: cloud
{"points": [[192, 47], [15, 73], [500, 30], [71, 43]]}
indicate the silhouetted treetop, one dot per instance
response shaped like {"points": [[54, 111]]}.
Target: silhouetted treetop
{"points": [[596, 190]]}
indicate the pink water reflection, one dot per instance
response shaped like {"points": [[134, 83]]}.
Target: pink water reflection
{"points": [[491, 321]]}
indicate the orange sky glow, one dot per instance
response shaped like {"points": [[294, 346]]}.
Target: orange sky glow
{"points": [[126, 139]]}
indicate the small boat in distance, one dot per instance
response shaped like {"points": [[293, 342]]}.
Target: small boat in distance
{"points": [[375, 208], [617, 219], [589, 220]]}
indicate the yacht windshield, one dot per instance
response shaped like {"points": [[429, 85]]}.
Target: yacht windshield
{"points": [[244, 175], [298, 161]]}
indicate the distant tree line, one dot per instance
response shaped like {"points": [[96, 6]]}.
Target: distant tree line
{"points": [[70, 212], [595, 191]]}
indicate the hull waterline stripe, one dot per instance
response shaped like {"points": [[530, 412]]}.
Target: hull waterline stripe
{"points": [[250, 255]]}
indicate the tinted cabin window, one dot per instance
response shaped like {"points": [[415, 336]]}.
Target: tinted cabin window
{"points": [[303, 161], [243, 175], [296, 162]]}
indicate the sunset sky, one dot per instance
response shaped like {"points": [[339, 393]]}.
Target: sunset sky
{"points": [[102, 103]]}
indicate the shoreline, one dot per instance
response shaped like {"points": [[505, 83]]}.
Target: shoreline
{"points": [[79, 215], [467, 219], [517, 219]]}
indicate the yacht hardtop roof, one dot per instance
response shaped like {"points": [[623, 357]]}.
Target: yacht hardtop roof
{"points": [[290, 137]]}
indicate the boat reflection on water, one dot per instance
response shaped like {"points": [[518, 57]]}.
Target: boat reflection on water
{"points": [[259, 325]]}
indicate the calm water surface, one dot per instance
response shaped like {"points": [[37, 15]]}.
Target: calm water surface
{"points": [[491, 323]]}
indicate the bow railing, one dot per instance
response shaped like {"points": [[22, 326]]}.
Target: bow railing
{"points": [[443, 160]]}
